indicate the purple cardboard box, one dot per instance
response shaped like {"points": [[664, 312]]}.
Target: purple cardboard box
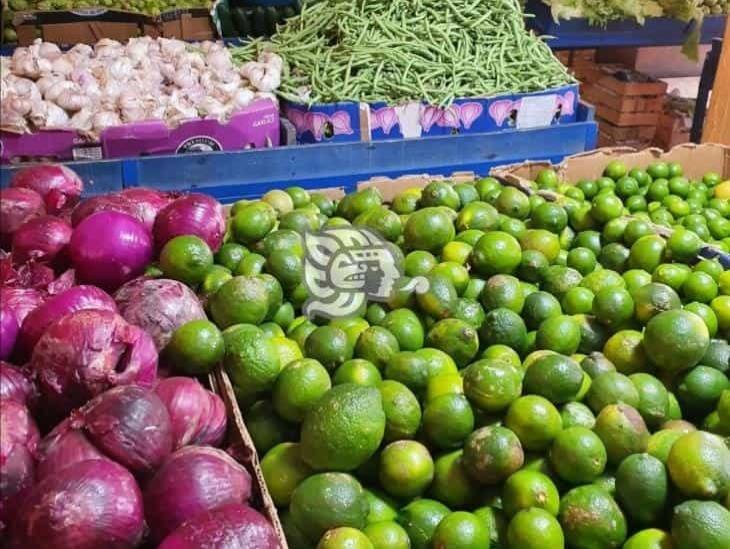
{"points": [[350, 121], [255, 126]]}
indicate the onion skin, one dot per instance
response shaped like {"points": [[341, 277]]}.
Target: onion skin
{"points": [[110, 248], [42, 239], [233, 526], [195, 412], [20, 301], [16, 385], [87, 352], [193, 480], [130, 425], [142, 204], [159, 306], [59, 186], [195, 214], [77, 298], [8, 331], [63, 447], [89, 505], [17, 206], [19, 439]]}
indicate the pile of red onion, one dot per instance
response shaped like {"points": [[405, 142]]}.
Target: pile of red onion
{"points": [[96, 449]]}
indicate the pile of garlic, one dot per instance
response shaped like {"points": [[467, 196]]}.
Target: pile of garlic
{"points": [[91, 88]]}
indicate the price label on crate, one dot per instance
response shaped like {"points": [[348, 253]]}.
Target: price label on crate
{"points": [[536, 111]]}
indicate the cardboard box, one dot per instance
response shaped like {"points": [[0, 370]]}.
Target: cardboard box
{"points": [[627, 133], [242, 446], [390, 187], [352, 122], [673, 129], [89, 25], [598, 95], [255, 126]]}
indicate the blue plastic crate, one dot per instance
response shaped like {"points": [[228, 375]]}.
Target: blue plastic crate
{"points": [[229, 176], [578, 33]]}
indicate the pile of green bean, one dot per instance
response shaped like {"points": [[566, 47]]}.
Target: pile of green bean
{"points": [[406, 50]]}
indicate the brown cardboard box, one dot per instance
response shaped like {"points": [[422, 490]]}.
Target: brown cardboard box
{"points": [[695, 159], [673, 129], [88, 26], [241, 444], [389, 188]]}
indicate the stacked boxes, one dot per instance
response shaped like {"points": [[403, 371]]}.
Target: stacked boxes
{"points": [[675, 123], [628, 104]]}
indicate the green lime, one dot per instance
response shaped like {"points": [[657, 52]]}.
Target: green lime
{"points": [[611, 388], [214, 278], [613, 306], [253, 222], [578, 455], [535, 528], [699, 390], [406, 469], [451, 483], [700, 525], [503, 291], [582, 260], [542, 241], [496, 253], [250, 358], [513, 203], [560, 334], [387, 535], [419, 263], [402, 410], [555, 377], [477, 215], [428, 229], [534, 420], [683, 245], [266, 428], [700, 287], [328, 500], [382, 507], [652, 299], [357, 371], [491, 454], [658, 170], [505, 327], [448, 420], [461, 530], [549, 216], [578, 300], [420, 518], [653, 399], [230, 255], [721, 307], [377, 345], [299, 196], [532, 265], [601, 279], [591, 518], [647, 253], [195, 348], [283, 471], [329, 346], [406, 201], [186, 258], [605, 207], [287, 349], [698, 465], [679, 186], [577, 414], [676, 340], [492, 385], [251, 264], [456, 252], [298, 387], [538, 307], [622, 431]]}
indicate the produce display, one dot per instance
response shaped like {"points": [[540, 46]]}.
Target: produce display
{"points": [[600, 12], [90, 89], [401, 50], [562, 380], [105, 440]]}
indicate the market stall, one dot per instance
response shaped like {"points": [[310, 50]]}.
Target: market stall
{"points": [[358, 283]]}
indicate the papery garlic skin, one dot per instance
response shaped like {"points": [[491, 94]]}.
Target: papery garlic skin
{"points": [[89, 89]]}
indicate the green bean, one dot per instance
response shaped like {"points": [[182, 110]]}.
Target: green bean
{"points": [[404, 50]]}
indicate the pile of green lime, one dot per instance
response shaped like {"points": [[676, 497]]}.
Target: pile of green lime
{"points": [[563, 381]]}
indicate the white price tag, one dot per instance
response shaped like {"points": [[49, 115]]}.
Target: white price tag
{"points": [[536, 111]]}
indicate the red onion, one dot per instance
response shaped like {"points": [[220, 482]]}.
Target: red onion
{"points": [[8, 331], [109, 248], [18, 444], [233, 526], [87, 352], [78, 298], [41, 239], [17, 428], [15, 384], [59, 186], [89, 505], [20, 301], [198, 416], [63, 447], [142, 204], [16, 207], [194, 214], [193, 480], [64, 281], [130, 425], [159, 306]]}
